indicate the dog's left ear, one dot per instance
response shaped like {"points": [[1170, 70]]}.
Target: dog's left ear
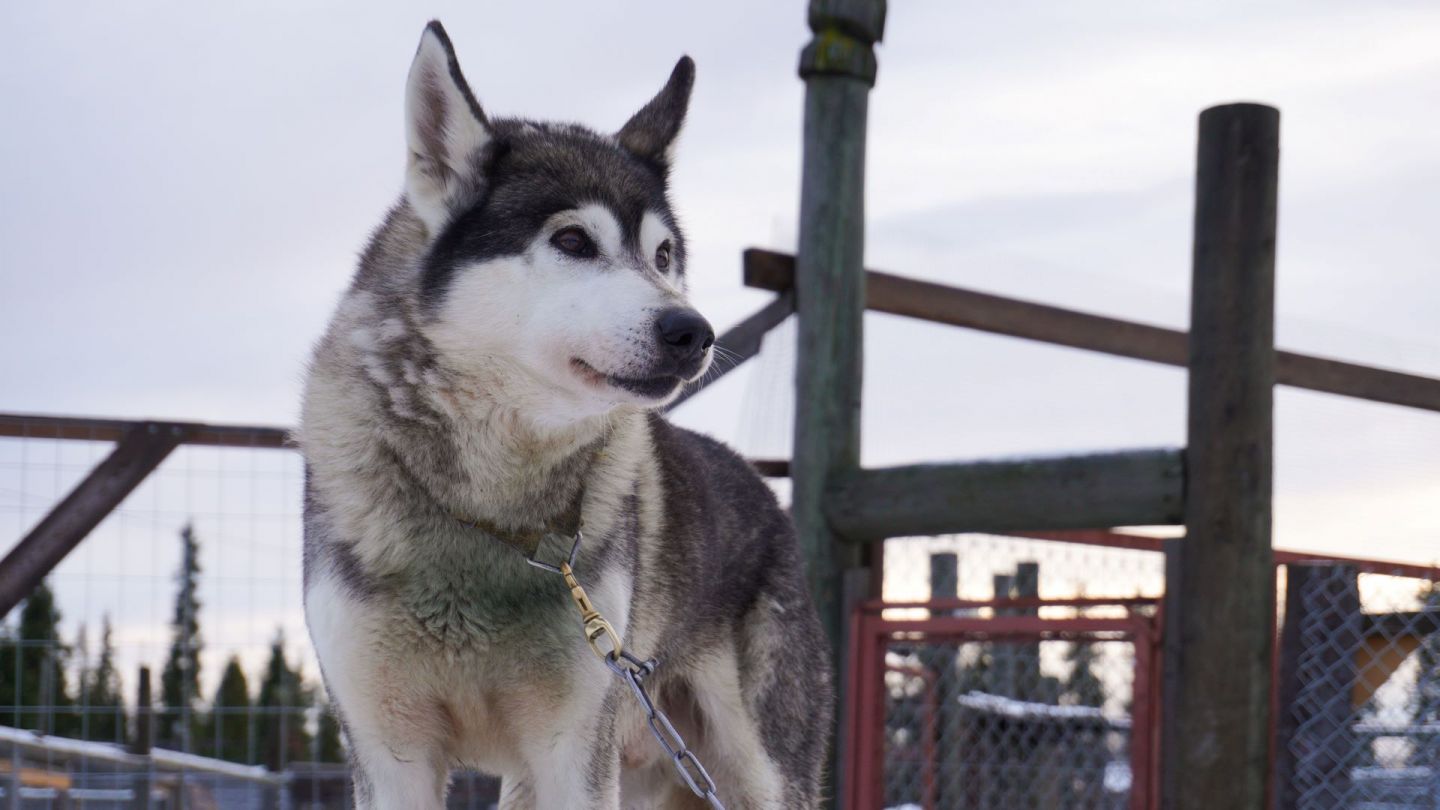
{"points": [[444, 130], [650, 134]]}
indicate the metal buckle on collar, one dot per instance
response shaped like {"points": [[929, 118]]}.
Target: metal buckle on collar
{"points": [[569, 560]]}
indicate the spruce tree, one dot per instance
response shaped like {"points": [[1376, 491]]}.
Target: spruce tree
{"points": [[1082, 686], [281, 704], [230, 726], [328, 747], [33, 681], [180, 679], [103, 692]]}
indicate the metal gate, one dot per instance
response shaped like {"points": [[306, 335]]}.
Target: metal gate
{"points": [[1002, 704]]}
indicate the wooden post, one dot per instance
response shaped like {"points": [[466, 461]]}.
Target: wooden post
{"points": [[1221, 589], [943, 659], [944, 575], [1316, 746], [1027, 653], [1003, 660], [144, 739], [838, 67]]}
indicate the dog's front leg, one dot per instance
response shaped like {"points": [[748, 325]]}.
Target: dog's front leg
{"points": [[575, 764], [393, 780]]}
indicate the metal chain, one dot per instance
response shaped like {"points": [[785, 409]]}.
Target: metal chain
{"points": [[599, 632]]}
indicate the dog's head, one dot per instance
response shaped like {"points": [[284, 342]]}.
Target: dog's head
{"points": [[553, 259]]}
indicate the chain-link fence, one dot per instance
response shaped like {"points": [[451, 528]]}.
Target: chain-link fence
{"points": [[1008, 703], [1359, 686]]}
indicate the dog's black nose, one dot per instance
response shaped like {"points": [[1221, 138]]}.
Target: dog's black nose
{"points": [[684, 333]]}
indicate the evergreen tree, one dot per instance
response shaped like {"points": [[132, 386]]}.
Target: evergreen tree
{"points": [[32, 670], [231, 721], [103, 693], [281, 703], [180, 679], [1082, 687], [328, 747]]}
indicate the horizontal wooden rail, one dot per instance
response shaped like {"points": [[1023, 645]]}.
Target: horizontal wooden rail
{"points": [[84, 428], [34, 426], [956, 306], [1143, 487]]}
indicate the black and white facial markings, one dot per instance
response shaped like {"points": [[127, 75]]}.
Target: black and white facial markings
{"points": [[555, 267]]}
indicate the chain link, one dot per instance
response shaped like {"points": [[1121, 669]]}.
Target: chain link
{"points": [[599, 632]]}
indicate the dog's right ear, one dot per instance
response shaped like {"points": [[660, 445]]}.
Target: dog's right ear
{"points": [[444, 130]]}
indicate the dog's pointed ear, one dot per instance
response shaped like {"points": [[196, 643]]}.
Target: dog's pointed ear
{"points": [[650, 134], [444, 129]]}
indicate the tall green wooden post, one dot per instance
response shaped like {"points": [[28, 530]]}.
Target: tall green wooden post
{"points": [[1220, 580], [838, 67]]}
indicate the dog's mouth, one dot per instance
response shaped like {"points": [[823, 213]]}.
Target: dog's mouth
{"points": [[657, 387]]}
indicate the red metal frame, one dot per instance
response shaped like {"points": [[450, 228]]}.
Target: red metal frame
{"points": [[872, 631], [932, 704]]}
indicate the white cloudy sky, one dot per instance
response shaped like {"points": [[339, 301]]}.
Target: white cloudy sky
{"points": [[185, 187]]}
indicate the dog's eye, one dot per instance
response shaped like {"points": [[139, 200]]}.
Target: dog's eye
{"points": [[662, 257], [574, 242]]}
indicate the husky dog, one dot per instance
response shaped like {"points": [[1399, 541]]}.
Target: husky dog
{"points": [[489, 382]]}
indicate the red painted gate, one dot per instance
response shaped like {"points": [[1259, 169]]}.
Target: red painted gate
{"points": [[1000, 704]]}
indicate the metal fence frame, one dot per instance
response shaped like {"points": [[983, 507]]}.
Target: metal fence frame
{"points": [[873, 629]]}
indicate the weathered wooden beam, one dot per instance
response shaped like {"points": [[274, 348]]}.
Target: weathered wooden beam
{"points": [[84, 428], [1220, 591], [740, 343], [1081, 330], [839, 68], [1135, 488], [139, 452], [771, 467]]}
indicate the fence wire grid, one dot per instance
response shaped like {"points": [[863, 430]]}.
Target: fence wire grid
{"points": [[196, 577], [1359, 688]]}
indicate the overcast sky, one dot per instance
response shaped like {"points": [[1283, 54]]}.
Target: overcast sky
{"points": [[184, 188]]}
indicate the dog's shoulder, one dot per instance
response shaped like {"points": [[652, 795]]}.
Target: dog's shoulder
{"points": [[695, 460], [717, 500]]}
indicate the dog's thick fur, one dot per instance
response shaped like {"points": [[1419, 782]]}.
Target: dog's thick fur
{"points": [[499, 356]]}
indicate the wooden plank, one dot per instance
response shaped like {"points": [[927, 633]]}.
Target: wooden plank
{"points": [[740, 343], [838, 67], [771, 467], [138, 453], [1222, 587], [1144, 487], [1376, 662], [957, 306], [39, 426]]}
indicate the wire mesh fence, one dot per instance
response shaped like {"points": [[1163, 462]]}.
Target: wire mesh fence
{"points": [[195, 579], [1007, 704], [1066, 565], [1359, 686]]}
